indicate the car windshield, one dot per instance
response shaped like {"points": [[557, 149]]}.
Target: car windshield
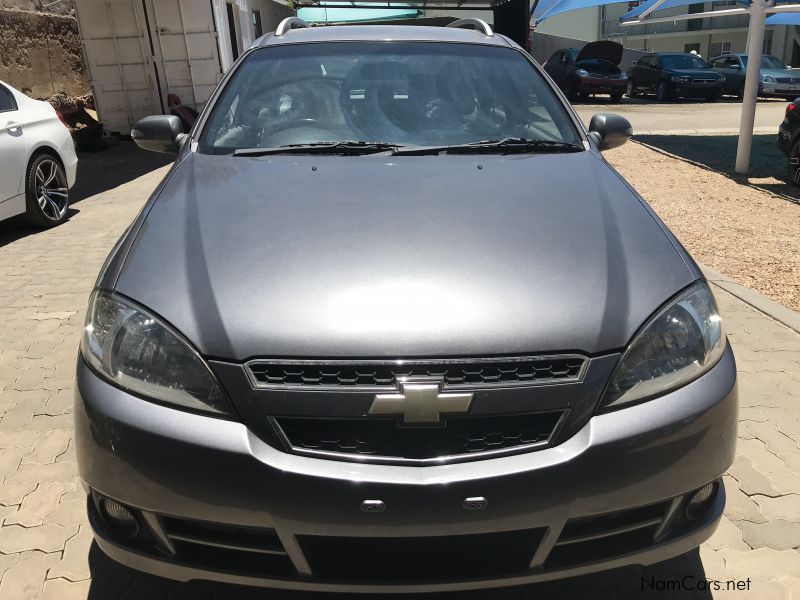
{"points": [[400, 93], [769, 62], [683, 61]]}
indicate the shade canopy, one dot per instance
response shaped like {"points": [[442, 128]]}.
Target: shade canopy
{"points": [[549, 8], [339, 12], [783, 19], [632, 14]]}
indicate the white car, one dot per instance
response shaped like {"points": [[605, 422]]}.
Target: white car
{"points": [[37, 159]]}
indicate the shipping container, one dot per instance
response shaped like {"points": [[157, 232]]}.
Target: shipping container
{"points": [[138, 52]]}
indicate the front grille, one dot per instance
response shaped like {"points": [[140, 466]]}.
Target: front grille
{"points": [[788, 80], [388, 374], [246, 550], [388, 438], [704, 81], [420, 559]]}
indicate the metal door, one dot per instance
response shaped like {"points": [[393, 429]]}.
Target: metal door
{"points": [[185, 50], [119, 61]]}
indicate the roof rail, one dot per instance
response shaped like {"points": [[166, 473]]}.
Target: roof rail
{"points": [[471, 23], [290, 23]]}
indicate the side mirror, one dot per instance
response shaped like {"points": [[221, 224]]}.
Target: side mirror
{"points": [[608, 130], [159, 133]]}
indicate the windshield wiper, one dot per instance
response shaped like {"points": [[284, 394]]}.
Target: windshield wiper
{"points": [[343, 147], [504, 146]]}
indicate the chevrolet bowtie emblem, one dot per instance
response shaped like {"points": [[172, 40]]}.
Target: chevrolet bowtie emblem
{"points": [[420, 403]]}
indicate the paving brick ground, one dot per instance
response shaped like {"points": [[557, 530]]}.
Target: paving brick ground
{"points": [[46, 549]]}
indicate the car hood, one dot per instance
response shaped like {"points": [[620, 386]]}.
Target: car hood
{"points": [[790, 73], [694, 72], [604, 49], [373, 256]]}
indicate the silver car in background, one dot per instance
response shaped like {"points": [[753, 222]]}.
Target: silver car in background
{"points": [[392, 324], [775, 77]]}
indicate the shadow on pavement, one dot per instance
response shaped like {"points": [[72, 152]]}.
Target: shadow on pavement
{"points": [[120, 162], [680, 578], [718, 153]]}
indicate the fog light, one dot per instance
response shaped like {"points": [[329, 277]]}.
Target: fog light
{"points": [[700, 501], [119, 518]]}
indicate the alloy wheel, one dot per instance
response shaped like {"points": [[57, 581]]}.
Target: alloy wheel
{"points": [[52, 192]]}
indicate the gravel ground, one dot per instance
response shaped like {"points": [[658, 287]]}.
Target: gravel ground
{"points": [[748, 230]]}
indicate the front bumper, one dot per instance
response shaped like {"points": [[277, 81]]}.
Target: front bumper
{"points": [[168, 463], [690, 90], [601, 85], [779, 89]]}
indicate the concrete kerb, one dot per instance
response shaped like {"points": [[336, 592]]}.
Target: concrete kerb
{"points": [[770, 308]]}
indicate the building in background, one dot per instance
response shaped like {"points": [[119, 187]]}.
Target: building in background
{"points": [[708, 37], [138, 52]]}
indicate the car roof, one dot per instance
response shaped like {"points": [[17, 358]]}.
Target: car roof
{"points": [[673, 53], [384, 33]]}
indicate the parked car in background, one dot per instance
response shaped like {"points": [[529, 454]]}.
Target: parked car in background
{"points": [[775, 77], [593, 69], [345, 347], [789, 139], [37, 159], [674, 75]]}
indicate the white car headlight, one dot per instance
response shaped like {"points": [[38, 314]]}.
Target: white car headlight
{"points": [[582, 73], [135, 351], [677, 345], [767, 79]]}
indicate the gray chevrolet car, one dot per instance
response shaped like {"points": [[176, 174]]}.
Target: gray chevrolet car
{"points": [[391, 323]]}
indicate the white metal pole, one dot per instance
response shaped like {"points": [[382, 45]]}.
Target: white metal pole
{"points": [[755, 43]]}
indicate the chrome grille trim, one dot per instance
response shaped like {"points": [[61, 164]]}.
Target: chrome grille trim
{"points": [[578, 365]]}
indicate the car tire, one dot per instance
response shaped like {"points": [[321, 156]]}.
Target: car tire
{"points": [[616, 97], [46, 192], [663, 93], [630, 90], [794, 163]]}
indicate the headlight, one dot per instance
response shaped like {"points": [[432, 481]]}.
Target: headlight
{"points": [[135, 351], [582, 73], [721, 78], [767, 79], [623, 76], [680, 343]]}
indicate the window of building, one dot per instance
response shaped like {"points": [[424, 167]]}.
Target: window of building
{"points": [[259, 29], [717, 48], [690, 47], [767, 45]]}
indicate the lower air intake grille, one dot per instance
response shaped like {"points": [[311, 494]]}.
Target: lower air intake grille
{"points": [[387, 438], [603, 536], [418, 560], [245, 550]]}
